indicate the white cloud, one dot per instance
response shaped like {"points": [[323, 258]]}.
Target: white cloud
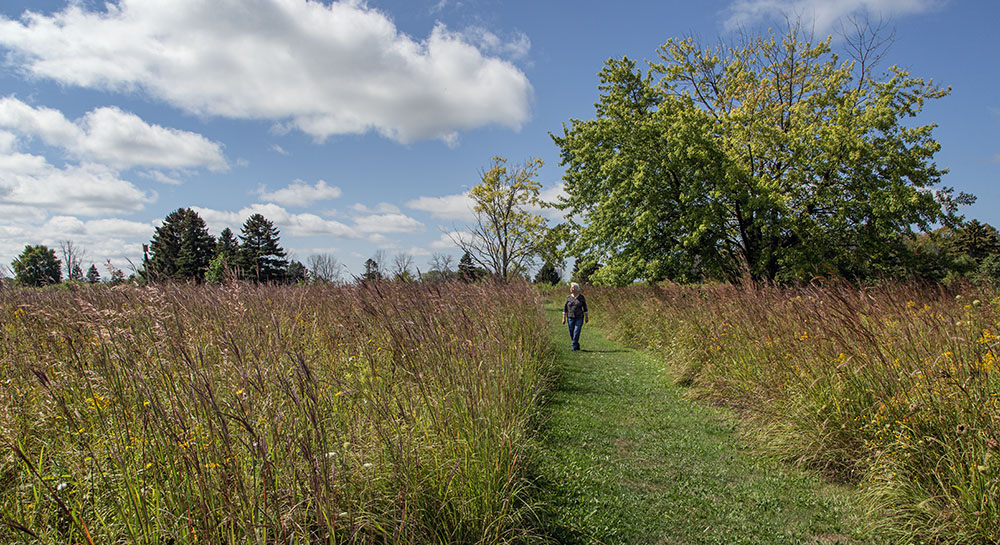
{"points": [[551, 195], [160, 177], [112, 137], [823, 14], [292, 224], [387, 223], [87, 189], [342, 68], [299, 193], [99, 240], [459, 207], [450, 207], [380, 208], [517, 47], [447, 240]]}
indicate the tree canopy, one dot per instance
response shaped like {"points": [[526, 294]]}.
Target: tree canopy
{"points": [[506, 235], [261, 256], [181, 248], [37, 266], [772, 158]]}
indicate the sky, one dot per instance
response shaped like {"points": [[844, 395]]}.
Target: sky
{"points": [[358, 127]]}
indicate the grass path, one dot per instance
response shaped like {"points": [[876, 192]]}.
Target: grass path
{"points": [[626, 459]]}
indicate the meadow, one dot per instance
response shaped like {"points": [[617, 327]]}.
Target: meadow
{"points": [[382, 413], [894, 388]]}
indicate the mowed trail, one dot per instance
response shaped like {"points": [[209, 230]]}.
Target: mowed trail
{"points": [[625, 458]]}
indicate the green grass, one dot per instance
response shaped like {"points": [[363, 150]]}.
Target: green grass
{"points": [[625, 458]]}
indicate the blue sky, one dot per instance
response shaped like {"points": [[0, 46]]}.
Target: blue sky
{"points": [[357, 127]]}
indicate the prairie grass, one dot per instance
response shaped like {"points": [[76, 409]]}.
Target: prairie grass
{"points": [[895, 388], [385, 413]]}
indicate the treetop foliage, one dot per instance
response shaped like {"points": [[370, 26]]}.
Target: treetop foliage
{"points": [[770, 158], [37, 266], [181, 249]]}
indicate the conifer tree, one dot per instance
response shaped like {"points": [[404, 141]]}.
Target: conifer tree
{"points": [[181, 248], [93, 276], [261, 258]]}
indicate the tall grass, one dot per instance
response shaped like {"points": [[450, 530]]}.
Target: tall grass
{"points": [[387, 413], [895, 388]]}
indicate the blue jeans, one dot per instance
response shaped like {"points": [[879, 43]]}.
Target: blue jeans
{"points": [[575, 325]]}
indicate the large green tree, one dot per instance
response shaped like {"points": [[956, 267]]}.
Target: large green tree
{"points": [[181, 248], [507, 235], [772, 158], [261, 256], [37, 266]]}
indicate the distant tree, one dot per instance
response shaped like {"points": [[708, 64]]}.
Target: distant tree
{"points": [[401, 265], [116, 275], [225, 259], [72, 257], [467, 269], [218, 268], [227, 245], [261, 257], [296, 272], [181, 248], [93, 276], [37, 266], [373, 272], [324, 268], [548, 274], [976, 240], [506, 235], [76, 273], [440, 269]]}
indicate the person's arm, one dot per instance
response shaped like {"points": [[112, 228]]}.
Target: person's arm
{"points": [[564, 313], [586, 316]]}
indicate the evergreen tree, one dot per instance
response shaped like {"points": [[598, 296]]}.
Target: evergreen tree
{"points": [[296, 272], [467, 269], [76, 273], [37, 266], [372, 271], [261, 258], [92, 275], [181, 248], [976, 240], [548, 274], [227, 246]]}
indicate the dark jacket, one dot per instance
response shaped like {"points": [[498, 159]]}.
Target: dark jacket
{"points": [[575, 307]]}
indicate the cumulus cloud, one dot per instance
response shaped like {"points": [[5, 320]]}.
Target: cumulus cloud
{"points": [[460, 207], [309, 224], [87, 189], [824, 14], [380, 208], [292, 224], [99, 239], [450, 207], [517, 47], [387, 223], [447, 240], [112, 137], [299, 193], [341, 68]]}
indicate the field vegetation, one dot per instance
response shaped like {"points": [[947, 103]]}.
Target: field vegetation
{"points": [[376, 413], [894, 387]]}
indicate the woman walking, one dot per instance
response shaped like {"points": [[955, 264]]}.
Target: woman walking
{"points": [[575, 312]]}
